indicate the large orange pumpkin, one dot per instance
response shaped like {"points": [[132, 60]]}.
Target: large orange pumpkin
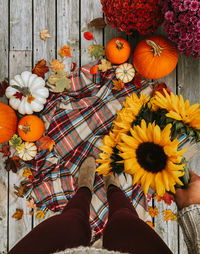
{"points": [[118, 50], [155, 57], [30, 128], [8, 122]]}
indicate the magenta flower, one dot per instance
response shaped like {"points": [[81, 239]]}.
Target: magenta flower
{"points": [[194, 5], [198, 24]]}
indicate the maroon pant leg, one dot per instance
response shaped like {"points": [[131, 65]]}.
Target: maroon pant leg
{"points": [[125, 231], [67, 230]]}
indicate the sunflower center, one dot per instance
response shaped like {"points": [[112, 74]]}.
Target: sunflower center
{"points": [[151, 157]]}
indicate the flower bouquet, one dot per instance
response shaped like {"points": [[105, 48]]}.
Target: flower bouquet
{"points": [[129, 16], [143, 141], [182, 24]]}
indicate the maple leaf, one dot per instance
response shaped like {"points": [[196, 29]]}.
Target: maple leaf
{"points": [[44, 34], [18, 214], [94, 69], [160, 88], [96, 51], [88, 36], [21, 190], [15, 141], [18, 95], [13, 163], [150, 224], [137, 81], [5, 149], [153, 211], [3, 85], [168, 198], [105, 65], [169, 215], [40, 214], [97, 23], [118, 84], [73, 67], [31, 204], [27, 172], [65, 51], [60, 80], [57, 65], [31, 212], [30, 98], [40, 68], [45, 143]]}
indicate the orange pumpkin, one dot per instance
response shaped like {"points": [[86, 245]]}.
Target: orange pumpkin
{"points": [[30, 128], [8, 122], [118, 50], [155, 57]]}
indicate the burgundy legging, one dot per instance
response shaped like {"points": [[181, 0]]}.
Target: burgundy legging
{"points": [[124, 231]]}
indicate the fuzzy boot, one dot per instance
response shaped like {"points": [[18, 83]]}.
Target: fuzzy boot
{"points": [[87, 173], [111, 179]]}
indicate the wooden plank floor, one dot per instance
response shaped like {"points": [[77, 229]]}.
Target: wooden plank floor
{"points": [[21, 47]]}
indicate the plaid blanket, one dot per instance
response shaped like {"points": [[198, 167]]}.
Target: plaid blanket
{"points": [[76, 121]]}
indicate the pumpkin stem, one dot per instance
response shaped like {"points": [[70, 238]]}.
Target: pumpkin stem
{"points": [[157, 50], [25, 128], [23, 90], [119, 44]]}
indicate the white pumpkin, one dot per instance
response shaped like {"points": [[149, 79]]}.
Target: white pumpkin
{"points": [[28, 151], [27, 93], [125, 72]]}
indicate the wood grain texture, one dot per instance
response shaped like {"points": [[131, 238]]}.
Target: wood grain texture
{"points": [[20, 24]]}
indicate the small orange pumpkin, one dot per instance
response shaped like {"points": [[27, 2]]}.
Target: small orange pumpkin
{"points": [[8, 122], [118, 50], [155, 57], [30, 128]]}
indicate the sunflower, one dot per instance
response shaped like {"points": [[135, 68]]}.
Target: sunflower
{"points": [[152, 158], [178, 109], [127, 115]]}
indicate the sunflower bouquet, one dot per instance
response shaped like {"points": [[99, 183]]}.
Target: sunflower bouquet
{"points": [[144, 141]]}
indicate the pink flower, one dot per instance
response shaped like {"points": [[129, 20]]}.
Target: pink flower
{"points": [[193, 19], [169, 15], [187, 4], [198, 24], [182, 7], [194, 6], [177, 27]]}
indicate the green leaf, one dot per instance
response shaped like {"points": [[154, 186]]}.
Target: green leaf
{"points": [[60, 80], [96, 51], [15, 141]]}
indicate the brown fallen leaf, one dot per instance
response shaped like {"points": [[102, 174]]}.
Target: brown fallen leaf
{"points": [[118, 84], [40, 68], [97, 23], [45, 143], [105, 65], [13, 163], [44, 34], [18, 214], [20, 191], [5, 149], [3, 85]]}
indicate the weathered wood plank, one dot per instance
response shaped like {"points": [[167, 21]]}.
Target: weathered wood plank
{"points": [[3, 173], [89, 11], [68, 26], [188, 86], [44, 18], [19, 61], [20, 24]]}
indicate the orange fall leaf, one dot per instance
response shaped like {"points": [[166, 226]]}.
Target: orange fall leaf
{"points": [[40, 68], [18, 214], [45, 143], [153, 211], [65, 51], [169, 215]]}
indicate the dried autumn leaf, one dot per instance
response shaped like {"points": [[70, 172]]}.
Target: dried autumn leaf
{"points": [[13, 163], [96, 51], [40, 68], [94, 69], [65, 51], [150, 224], [153, 211], [18, 214], [44, 34], [73, 67], [3, 85], [159, 87], [168, 198], [118, 85], [88, 36], [137, 81], [15, 141], [169, 215], [20, 191], [57, 65], [45, 143], [31, 204], [97, 23], [18, 95], [105, 65], [60, 80], [30, 98], [40, 214], [5, 149], [27, 172]]}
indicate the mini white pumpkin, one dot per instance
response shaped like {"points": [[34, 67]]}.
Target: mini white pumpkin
{"points": [[27, 93], [28, 151], [125, 72]]}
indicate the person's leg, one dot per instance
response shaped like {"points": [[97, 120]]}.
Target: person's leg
{"points": [[125, 231], [69, 229]]}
